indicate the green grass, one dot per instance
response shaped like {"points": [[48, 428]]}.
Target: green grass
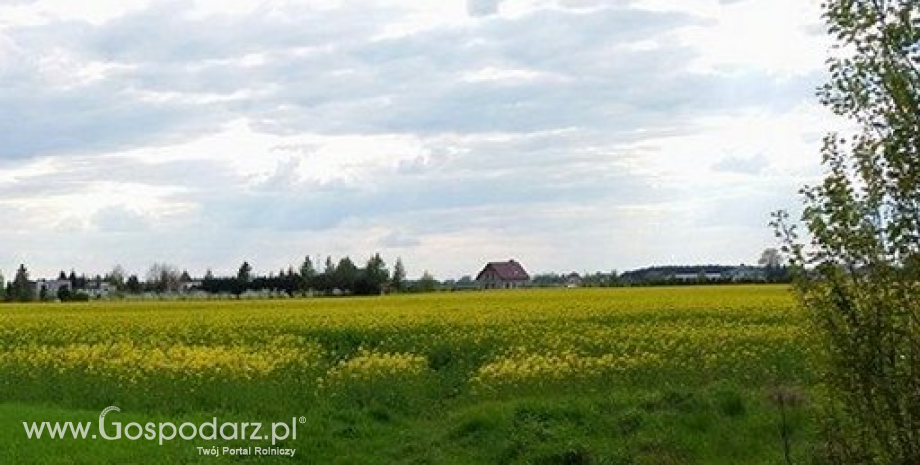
{"points": [[718, 356], [721, 426]]}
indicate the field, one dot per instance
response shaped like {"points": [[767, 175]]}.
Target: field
{"points": [[691, 375]]}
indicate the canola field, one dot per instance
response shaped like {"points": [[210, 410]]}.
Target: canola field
{"points": [[409, 358]]}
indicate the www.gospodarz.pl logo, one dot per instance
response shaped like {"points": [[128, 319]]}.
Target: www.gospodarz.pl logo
{"points": [[165, 431]]}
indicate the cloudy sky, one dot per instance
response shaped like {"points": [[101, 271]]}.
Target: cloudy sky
{"points": [[569, 134]]}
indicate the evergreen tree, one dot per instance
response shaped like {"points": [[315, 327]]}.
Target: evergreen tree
{"points": [[398, 281], [307, 274], [346, 275], [244, 274], [133, 285], [22, 289], [374, 278]]}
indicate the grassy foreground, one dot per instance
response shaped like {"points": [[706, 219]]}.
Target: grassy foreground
{"points": [[619, 376]]}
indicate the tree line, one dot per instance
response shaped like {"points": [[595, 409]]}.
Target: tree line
{"points": [[342, 277], [336, 278]]}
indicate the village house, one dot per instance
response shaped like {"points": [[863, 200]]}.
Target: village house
{"points": [[503, 275], [573, 280], [49, 288], [702, 275], [99, 289], [745, 273]]}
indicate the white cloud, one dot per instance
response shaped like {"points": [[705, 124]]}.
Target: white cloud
{"points": [[36, 12], [571, 134], [776, 36]]}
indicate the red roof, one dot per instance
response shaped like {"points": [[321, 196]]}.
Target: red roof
{"points": [[506, 271]]}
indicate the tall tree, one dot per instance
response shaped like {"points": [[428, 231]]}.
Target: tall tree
{"points": [[307, 274], [2, 287], [863, 256], [22, 290], [346, 274], [427, 283], [770, 258], [329, 268], [398, 281], [116, 277], [772, 261], [326, 281], [244, 275], [163, 277], [374, 277], [133, 285]]}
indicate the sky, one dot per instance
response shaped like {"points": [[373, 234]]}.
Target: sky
{"points": [[571, 135]]}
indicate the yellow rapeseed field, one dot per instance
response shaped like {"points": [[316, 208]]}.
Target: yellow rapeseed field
{"points": [[479, 343]]}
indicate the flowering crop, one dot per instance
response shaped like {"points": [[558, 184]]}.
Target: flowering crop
{"points": [[477, 343]]}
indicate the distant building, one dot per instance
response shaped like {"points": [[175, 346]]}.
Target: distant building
{"points": [[50, 287], [746, 274], [98, 289], [702, 275], [573, 280], [503, 275]]}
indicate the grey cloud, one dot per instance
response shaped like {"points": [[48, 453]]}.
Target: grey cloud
{"points": [[345, 82], [397, 239], [323, 207], [750, 165], [77, 173], [482, 7], [157, 51], [591, 96], [95, 120], [119, 219], [163, 34]]}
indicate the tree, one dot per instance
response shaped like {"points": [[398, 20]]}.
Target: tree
{"points": [[22, 289], [346, 274], [325, 281], [307, 274], [116, 277], [64, 294], [244, 275], [426, 283], [133, 285], [163, 277], [2, 287], [770, 258], [858, 274], [374, 277], [398, 281], [772, 261]]}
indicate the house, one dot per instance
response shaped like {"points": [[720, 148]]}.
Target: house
{"points": [[503, 275], [49, 288], [701, 275], [573, 280], [187, 287], [745, 273], [98, 289]]}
